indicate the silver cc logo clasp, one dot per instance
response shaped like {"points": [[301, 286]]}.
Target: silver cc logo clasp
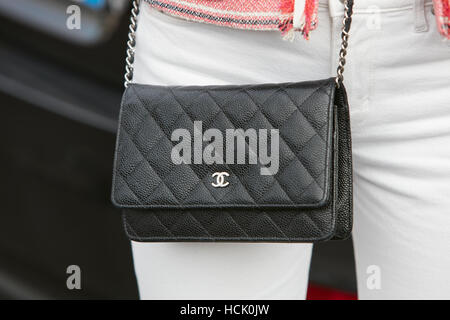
{"points": [[220, 179]]}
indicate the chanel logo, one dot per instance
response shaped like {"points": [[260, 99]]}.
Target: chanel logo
{"points": [[220, 179]]}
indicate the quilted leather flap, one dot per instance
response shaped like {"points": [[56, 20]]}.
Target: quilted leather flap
{"points": [[251, 146]]}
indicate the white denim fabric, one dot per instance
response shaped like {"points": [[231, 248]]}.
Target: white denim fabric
{"points": [[398, 80]]}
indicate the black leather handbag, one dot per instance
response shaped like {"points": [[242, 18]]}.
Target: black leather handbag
{"points": [[269, 163]]}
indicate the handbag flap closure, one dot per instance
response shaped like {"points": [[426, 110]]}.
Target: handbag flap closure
{"points": [[250, 146]]}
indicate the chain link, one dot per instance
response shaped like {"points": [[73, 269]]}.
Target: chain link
{"points": [[131, 43], [348, 10]]}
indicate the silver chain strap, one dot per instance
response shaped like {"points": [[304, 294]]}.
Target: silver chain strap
{"points": [[131, 43], [348, 10]]}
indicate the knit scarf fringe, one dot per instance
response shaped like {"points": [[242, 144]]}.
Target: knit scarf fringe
{"points": [[308, 19], [442, 14]]}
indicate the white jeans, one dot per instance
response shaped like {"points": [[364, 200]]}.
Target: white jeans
{"points": [[398, 79]]}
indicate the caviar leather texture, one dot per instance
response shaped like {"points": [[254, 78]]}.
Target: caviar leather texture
{"points": [[309, 198]]}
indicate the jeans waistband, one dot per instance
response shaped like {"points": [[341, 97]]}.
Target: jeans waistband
{"points": [[336, 7]]}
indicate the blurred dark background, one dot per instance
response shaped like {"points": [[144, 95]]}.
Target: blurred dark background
{"points": [[60, 93]]}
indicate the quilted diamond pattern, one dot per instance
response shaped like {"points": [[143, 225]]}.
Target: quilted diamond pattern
{"points": [[302, 202], [146, 177]]}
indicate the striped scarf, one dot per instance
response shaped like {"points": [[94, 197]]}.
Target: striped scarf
{"points": [[285, 15], [442, 14]]}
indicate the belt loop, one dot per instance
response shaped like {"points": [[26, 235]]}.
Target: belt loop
{"points": [[420, 20], [336, 8]]}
